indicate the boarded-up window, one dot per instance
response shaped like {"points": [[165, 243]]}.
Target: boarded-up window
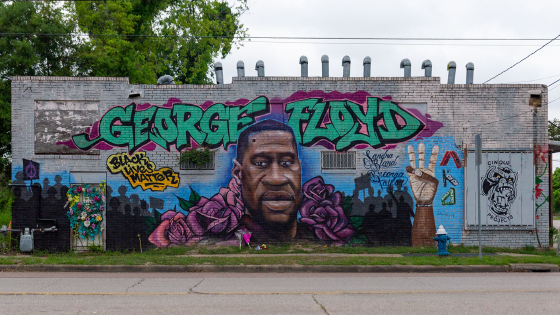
{"points": [[58, 121], [507, 190]]}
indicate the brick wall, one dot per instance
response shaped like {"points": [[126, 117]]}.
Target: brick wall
{"points": [[500, 112]]}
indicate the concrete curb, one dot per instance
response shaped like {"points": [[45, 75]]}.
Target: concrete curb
{"points": [[278, 268]]}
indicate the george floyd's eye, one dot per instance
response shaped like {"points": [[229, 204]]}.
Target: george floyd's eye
{"points": [[286, 163], [261, 164]]}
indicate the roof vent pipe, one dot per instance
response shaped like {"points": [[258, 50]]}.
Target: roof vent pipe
{"points": [[240, 69], [427, 66], [451, 69], [165, 79], [367, 67], [470, 72], [405, 63], [346, 66], [260, 68], [325, 65], [219, 73], [303, 62]]}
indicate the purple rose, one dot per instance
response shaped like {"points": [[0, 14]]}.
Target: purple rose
{"points": [[219, 214], [93, 226], [89, 191], [173, 231], [322, 212]]}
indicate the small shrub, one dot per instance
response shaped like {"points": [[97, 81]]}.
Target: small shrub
{"points": [[198, 156]]}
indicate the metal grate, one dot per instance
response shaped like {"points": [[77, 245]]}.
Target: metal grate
{"points": [[210, 165], [338, 160]]}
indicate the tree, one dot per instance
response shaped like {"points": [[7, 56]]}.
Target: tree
{"points": [[207, 28], [556, 191], [554, 130], [30, 55]]}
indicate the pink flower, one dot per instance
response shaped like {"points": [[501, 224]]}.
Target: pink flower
{"points": [[173, 231], [79, 189], [89, 191], [93, 226], [219, 214], [71, 212], [322, 212], [79, 205], [542, 153], [96, 198], [538, 191], [91, 202]]}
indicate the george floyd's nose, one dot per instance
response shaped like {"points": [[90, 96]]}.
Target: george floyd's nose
{"points": [[275, 176]]}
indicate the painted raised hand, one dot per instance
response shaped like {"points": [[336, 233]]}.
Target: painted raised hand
{"points": [[422, 181], [424, 186]]}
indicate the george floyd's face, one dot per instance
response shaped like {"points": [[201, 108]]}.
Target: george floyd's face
{"points": [[270, 177]]}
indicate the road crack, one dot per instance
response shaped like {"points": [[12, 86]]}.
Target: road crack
{"points": [[196, 285], [48, 285], [137, 283], [321, 305]]}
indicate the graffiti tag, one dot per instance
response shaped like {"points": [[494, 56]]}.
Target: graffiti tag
{"points": [[218, 125], [375, 162], [383, 123], [140, 171]]}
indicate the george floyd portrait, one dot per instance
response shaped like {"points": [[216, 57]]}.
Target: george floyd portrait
{"points": [[268, 170]]}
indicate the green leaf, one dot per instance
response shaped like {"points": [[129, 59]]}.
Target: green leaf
{"points": [[356, 221], [194, 197], [538, 180], [358, 240], [185, 204]]}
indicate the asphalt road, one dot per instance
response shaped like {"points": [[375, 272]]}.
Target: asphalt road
{"points": [[265, 293]]}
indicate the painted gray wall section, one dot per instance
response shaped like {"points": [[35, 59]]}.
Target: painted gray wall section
{"points": [[463, 110], [522, 208], [58, 120]]}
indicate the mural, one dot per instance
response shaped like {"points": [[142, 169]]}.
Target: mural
{"points": [[268, 182], [139, 171], [500, 186], [375, 122]]}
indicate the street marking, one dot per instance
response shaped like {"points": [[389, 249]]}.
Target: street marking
{"points": [[283, 293]]}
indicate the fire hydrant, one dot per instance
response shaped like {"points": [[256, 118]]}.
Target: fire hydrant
{"points": [[442, 238]]}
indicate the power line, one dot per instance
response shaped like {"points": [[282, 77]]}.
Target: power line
{"points": [[552, 76], [515, 64], [553, 82], [394, 44], [553, 101], [282, 37]]}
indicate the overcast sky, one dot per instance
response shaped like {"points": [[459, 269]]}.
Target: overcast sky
{"points": [[413, 18]]}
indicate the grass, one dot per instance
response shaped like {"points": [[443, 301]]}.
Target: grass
{"points": [[556, 217], [176, 256]]}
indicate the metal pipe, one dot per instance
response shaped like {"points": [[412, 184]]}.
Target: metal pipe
{"points": [[470, 73], [367, 67], [260, 68], [427, 66], [304, 69], [405, 63], [346, 66], [451, 70], [219, 73], [325, 66], [240, 69]]}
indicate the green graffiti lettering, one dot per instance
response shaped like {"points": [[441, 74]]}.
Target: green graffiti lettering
{"points": [[165, 131], [314, 132], [214, 124], [188, 116], [384, 121]]}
